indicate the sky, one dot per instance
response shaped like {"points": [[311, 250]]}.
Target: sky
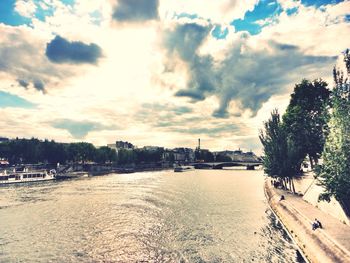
{"points": [[161, 72]]}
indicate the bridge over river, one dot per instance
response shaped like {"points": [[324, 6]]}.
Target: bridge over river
{"points": [[219, 165]]}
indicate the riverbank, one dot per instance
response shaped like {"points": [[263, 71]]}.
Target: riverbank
{"points": [[330, 244]]}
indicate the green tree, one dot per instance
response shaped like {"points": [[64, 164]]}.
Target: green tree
{"points": [[81, 152], [281, 154], [334, 173], [126, 156], [105, 154], [144, 155], [306, 117]]}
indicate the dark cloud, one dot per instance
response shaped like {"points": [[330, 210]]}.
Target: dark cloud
{"points": [[60, 50], [79, 129], [185, 39], [39, 85], [23, 83], [136, 10], [247, 77], [194, 94], [184, 42], [22, 57]]}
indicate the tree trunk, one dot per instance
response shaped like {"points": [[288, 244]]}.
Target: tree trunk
{"points": [[284, 183], [292, 185], [311, 162]]}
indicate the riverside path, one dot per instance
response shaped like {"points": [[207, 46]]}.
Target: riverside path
{"points": [[330, 244]]}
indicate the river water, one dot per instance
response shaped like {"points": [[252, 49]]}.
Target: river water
{"points": [[194, 216]]}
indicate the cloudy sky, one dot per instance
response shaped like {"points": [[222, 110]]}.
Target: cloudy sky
{"points": [[160, 72]]}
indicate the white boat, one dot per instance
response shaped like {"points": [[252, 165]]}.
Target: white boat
{"points": [[13, 177]]}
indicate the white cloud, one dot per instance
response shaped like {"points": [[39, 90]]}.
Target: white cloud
{"points": [[219, 11], [289, 4], [316, 32], [133, 72], [25, 8]]}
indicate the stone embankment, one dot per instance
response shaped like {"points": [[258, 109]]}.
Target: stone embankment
{"points": [[330, 244]]}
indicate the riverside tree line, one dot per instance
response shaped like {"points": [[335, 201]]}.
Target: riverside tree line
{"points": [[35, 151], [316, 125]]}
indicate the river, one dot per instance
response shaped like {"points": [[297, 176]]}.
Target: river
{"points": [[194, 216]]}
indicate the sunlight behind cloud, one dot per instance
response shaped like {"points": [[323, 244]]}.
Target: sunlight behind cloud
{"points": [[163, 74]]}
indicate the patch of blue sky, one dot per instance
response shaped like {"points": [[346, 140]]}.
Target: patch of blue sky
{"points": [[186, 15], [96, 17], [318, 3], [251, 27], [9, 16], [68, 2], [291, 11], [219, 33], [14, 101], [265, 9], [347, 18], [41, 13]]}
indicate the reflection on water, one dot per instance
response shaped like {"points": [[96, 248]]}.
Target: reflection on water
{"points": [[197, 216]]}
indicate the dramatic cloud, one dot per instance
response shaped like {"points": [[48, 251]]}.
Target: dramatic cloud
{"points": [[136, 10], [23, 59], [248, 76], [79, 129], [171, 70], [184, 41], [60, 50]]}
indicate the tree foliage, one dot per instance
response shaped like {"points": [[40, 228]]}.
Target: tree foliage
{"points": [[37, 151], [282, 158], [306, 117], [334, 173]]}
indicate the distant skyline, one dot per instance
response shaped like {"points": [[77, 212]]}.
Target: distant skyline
{"points": [[160, 72]]}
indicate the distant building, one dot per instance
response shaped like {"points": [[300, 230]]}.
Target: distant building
{"points": [[183, 155], [153, 148], [120, 145], [239, 155], [124, 145]]}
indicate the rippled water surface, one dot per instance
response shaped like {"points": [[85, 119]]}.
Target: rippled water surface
{"points": [[195, 216]]}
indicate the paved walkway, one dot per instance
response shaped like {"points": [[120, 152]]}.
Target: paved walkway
{"points": [[334, 228], [330, 244]]}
